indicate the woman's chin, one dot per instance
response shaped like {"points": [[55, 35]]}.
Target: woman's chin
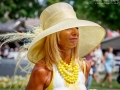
{"points": [[73, 46]]}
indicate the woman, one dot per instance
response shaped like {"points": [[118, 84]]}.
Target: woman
{"points": [[108, 63], [57, 51], [42, 75], [58, 47], [91, 57]]}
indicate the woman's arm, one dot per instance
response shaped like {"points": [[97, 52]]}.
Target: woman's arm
{"points": [[104, 57], [88, 66], [85, 66], [40, 78]]}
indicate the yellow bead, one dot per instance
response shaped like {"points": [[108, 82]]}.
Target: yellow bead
{"points": [[69, 72]]}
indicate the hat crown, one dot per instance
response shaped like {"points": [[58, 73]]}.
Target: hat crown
{"points": [[56, 13]]}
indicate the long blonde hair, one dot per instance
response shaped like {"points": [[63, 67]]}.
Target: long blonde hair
{"points": [[52, 51]]}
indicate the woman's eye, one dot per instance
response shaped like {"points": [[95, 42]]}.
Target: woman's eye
{"points": [[72, 28], [68, 29], [77, 28]]}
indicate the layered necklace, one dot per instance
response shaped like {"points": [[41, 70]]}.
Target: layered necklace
{"points": [[69, 71]]}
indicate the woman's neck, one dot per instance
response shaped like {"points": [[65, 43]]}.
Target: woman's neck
{"points": [[66, 56]]}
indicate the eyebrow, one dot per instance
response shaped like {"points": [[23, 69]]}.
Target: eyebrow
{"points": [[76, 27]]}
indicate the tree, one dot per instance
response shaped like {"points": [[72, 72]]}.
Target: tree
{"points": [[15, 9], [104, 12]]}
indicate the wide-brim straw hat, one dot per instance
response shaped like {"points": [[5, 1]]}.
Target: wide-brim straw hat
{"points": [[61, 16]]}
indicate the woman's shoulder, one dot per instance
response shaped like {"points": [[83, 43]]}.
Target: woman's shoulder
{"points": [[88, 64], [41, 72], [39, 77], [85, 62], [106, 53], [40, 67], [85, 65]]}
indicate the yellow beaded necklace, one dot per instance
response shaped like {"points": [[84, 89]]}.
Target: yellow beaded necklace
{"points": [[69, 71]]}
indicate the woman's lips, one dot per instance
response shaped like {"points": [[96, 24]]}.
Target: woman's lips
{"points": [[74, 39]]}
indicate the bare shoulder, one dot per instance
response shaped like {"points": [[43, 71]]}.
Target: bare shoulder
{"points": [[85, 62], [85, 67], [40, 68], [38, 77], [88, 67]]}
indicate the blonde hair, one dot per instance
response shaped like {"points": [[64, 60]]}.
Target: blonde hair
{"points": [[52, 51]]}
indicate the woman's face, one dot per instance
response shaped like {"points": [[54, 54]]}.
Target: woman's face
{"points": [[68, 38], [110, 49]]}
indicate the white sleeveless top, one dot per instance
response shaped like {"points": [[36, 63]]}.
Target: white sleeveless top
{"points": [[58, 82]]}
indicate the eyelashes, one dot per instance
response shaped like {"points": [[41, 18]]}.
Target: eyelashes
{"points": [[77, 28], [71, 28]]}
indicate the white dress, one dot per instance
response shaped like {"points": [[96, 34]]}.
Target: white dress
{"points": [[58, 82]]}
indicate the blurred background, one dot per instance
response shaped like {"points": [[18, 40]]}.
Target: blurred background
{"points": [[21, 15]]}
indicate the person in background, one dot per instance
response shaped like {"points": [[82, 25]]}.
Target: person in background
{"points": [[6, 51], [108, 64], [118, 77], [0, 51], [90, 57], [98, 66], [0, 54]]}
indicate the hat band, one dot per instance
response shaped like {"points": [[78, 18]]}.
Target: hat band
{"points": [[58, 17]]}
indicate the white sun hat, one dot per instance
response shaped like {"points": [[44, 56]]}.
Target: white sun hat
{"points": [[61, 16]]}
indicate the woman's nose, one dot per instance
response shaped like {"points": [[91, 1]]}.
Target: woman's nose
{"points": [[75, 31]]}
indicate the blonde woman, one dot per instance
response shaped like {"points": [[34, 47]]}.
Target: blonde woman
{"points": [[58, 48]]}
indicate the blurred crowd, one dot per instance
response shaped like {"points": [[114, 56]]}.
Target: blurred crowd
{"points": [[101, 62], [6, 52]]}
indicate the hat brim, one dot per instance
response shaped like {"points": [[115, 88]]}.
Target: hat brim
{"points": [[91, 35]]}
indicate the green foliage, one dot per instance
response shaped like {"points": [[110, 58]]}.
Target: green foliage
{"points": [[104, 12], [95, 86], [19, 8], [49, 2]]}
